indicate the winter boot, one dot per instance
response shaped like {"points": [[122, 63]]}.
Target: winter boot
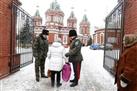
{"points": [[43, 76], [59, 84], [37, 79], [72, 80], [73, 84]]}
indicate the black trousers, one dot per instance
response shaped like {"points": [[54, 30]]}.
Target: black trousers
{"points": [[53, 77], [76, 69]]}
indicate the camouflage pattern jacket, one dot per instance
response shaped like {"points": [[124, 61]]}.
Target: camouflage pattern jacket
{"points": [[75, 51], [40, 47]]}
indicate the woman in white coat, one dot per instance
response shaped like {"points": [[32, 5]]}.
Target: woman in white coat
{"points": [[56, 55]]}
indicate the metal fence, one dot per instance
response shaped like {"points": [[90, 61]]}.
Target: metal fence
{"points": [[23, 34], [113, 38]]}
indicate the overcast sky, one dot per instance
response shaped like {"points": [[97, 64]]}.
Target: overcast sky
{"points": [[96, 10]]}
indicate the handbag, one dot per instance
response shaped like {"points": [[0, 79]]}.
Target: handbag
{"points": [[66, 72], [49, 73]]}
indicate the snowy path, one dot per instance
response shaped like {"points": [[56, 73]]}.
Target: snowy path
{"points": [[100, 78], [93, 77]]}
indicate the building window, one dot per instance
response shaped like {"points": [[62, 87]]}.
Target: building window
{"points": [[55, 36], [58, 19], [64, 39], [102, 39], [111, 40]]}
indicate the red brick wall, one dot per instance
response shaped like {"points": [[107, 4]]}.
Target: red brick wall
{"points": [[5, 30], [5, 35], [130, 23]]}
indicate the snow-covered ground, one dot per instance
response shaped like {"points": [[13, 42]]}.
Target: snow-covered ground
{"points": [[93, 61], [93, 77]]}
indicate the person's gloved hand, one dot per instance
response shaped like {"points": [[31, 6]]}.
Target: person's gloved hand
{"points": [[123, 84], [123, 81], [66, 62], [67, 54]]}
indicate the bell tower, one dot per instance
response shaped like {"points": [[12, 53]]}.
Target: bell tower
{"points": [[37, 18], [72, 21]]}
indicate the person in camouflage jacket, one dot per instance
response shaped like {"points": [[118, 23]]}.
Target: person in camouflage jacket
{"points": [[75, 56], [40, 49]]}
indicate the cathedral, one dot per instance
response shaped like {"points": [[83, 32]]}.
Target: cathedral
{"points": [[54, 23]]}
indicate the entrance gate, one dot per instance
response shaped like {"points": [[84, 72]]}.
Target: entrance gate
{"points": [[113, 38], [21, 38]]}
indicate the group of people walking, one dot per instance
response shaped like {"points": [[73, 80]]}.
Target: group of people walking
{"points": [[57, 57], [126, 68]]}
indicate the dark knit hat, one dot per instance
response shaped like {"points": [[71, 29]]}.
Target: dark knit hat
{"points": [[72, 33], [45, 32]]}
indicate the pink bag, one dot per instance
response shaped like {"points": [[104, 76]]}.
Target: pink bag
{"points": [[66, 72]]}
